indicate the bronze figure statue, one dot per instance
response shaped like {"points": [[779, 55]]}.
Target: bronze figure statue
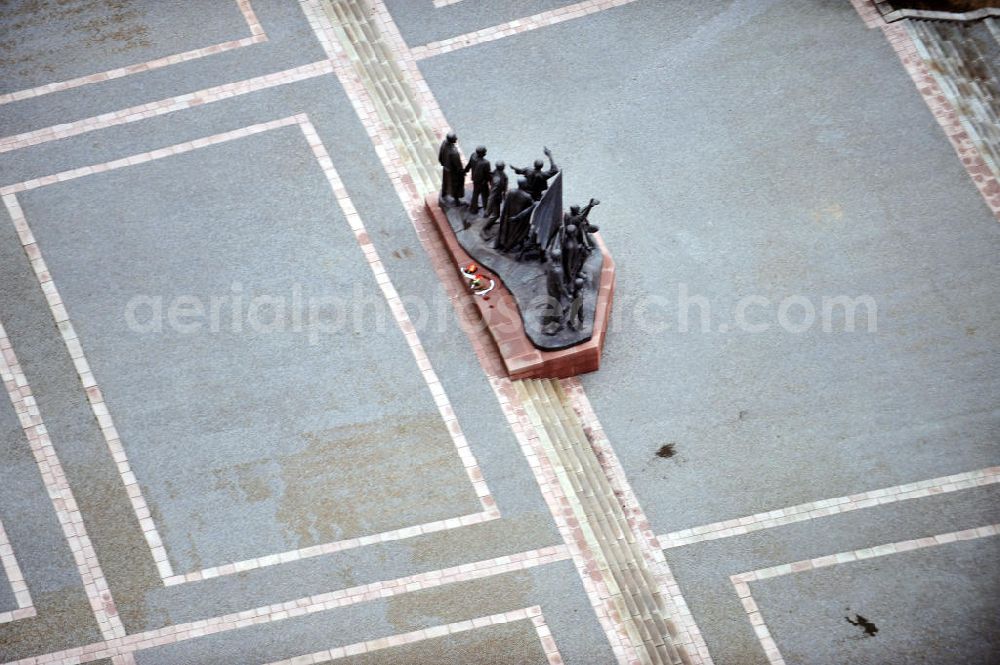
{"points": [[452, 174], [498, 190], [479, 167], [538, 179], [515, 218]]}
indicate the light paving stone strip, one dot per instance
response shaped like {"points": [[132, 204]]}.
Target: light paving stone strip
{"points": [[124, 646], [164, 106], [68, 513], [841, 504], [514, 27], [256, 36], [160, 556], [533, 614], [741, 581], [388, 144], [22, 597], [618, 554], [399, 112], [688, 634]]}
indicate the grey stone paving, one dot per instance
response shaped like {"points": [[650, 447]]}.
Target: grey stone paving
{"points": [[421, 22], [525, 524], [554, 587], [237, 431], [742, 147], [273, 221], [737, 175], [703, 569], [505, 644], [50, 41], [936, 605], [290, 43]]}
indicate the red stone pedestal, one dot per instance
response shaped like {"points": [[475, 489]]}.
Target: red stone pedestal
{"points": [[502, 320]]}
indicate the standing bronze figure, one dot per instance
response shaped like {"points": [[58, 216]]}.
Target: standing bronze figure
{"points": [[515, 220], [452, 173], [498, 190], [538, 179], [479, 167]]}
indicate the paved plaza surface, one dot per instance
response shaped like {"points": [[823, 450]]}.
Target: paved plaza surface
{"points": [[251, 419]]}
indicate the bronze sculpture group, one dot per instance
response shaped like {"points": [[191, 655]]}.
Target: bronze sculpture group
{"points": [[527, 225]]}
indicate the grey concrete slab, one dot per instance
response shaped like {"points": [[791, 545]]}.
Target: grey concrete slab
{"points": [[143, 602], [389, 227], [746, 149], [248, 442], [556, 587], [49, 41], [933, 605], [702, 570], [421, 22]]}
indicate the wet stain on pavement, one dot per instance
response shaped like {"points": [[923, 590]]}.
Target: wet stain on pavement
{"points": [[667, 450], [114, 26], [244, 482], [870, 628], [404, 253], [359, 479]]}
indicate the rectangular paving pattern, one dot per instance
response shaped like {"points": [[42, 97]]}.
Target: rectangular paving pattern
{"points": [[321, 511], [277, 495]]}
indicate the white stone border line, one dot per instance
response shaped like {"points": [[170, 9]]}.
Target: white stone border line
{"points": [[841, 504], [74, 346], [515, 27], [94, 583], [164, 106], [22, 597], [689, 634], [534, 614], [125, 646], [256, 36], [741, 581]]}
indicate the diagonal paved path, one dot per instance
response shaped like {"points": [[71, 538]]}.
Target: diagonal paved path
{"points": [[404, 117]]}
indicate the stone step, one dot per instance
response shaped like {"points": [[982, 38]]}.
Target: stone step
{"points": [[964, 59]]}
